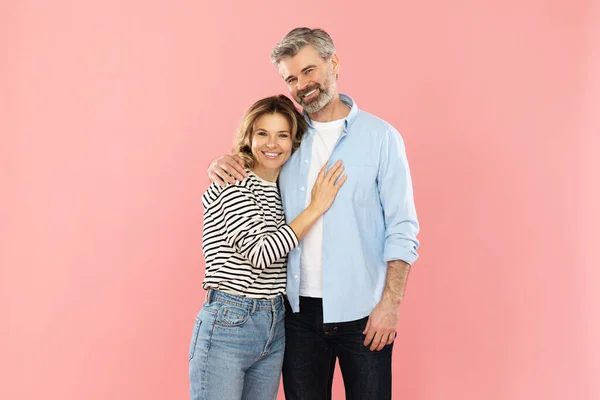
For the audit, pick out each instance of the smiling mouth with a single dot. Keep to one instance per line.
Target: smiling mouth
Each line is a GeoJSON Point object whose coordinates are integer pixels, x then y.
{"type": "Point", "coordinates": [270, 155]}
{"type": "Point", "coordinates": [307, 95]}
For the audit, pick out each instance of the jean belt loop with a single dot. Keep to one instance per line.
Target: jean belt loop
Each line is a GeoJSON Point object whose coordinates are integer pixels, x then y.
{"type": "Point", "coordinates": [253, 306]}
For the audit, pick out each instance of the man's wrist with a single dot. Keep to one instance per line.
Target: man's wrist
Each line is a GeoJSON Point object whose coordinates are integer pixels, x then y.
{"type": "Point", "coordinates": [388, 298]}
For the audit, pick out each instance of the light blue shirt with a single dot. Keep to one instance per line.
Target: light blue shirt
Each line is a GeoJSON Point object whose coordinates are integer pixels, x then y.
{"type": "Point", "coordinates": [372, 220]}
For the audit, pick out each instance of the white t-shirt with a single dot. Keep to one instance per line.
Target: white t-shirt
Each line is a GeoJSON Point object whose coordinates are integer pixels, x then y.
{"type": "Point", "coordinates": [311, 260]}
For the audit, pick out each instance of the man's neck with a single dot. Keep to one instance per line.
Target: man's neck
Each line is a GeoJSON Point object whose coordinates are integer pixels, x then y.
{"type": "Point", "coordinates": [336, 109]}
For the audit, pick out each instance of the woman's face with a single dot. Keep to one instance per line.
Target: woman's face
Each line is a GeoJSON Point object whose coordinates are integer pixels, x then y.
{"type": "Point", "coordinates": [271, 141]}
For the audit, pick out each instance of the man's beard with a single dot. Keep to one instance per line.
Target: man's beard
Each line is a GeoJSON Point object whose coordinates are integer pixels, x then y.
{"type": "Point", "coordinates": [325, 95]}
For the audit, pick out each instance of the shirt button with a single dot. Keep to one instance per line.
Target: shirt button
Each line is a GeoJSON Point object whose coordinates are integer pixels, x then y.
{"type": "Point", "coordinates": [302, 189]}
{"type": "Point", "coordinates": [295, 276]}
{"type": "Point", "coordinates": [305, 161]}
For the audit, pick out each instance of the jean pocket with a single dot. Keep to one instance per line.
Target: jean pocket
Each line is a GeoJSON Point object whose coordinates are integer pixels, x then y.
{"type": "Point", "coordinates": [212, 307]}
{"type": "Point", "coordinates": [231, 316]}
{"type": "Point", "coordinates": [195, 334]}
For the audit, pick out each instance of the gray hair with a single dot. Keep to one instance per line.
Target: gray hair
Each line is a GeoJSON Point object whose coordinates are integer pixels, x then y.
{"type": "Point", "coordinates": [299, 38]}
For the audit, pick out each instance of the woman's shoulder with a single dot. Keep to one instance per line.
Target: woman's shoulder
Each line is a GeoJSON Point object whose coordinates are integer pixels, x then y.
{"type": "Point", "coordinates": [215, 192]}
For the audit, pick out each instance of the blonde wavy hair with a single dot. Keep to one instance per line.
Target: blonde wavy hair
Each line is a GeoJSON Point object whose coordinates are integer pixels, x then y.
{"type": "Point", "coordinates": [279, 104]}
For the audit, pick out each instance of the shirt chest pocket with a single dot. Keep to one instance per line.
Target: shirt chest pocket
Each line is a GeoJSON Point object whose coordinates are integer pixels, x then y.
{"type": "Point", "coordinates": [361, 184]}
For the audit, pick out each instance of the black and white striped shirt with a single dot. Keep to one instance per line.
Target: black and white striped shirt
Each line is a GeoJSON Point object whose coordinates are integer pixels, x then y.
{"type": "Point", "coordinates": [245, 239]}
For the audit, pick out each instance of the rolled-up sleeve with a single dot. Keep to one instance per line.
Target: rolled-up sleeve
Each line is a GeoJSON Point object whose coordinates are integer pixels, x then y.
{"type": "Point", "coordinates": [396, 196]}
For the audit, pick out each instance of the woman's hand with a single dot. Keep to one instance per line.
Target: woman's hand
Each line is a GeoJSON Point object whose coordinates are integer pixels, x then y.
{"type": "Point", "coordinates": [326, 187]}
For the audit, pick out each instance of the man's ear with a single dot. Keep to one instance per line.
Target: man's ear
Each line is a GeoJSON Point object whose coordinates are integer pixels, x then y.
{"type": "Point", "coordinates": [335, 63]}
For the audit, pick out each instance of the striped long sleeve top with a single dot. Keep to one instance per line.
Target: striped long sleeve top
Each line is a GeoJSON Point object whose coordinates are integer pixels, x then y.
{"type": "Point", "coordinates": [245, 239]}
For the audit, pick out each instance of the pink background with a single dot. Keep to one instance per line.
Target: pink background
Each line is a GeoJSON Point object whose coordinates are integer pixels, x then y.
{"type": "Point", "coordinates": [110, 112]}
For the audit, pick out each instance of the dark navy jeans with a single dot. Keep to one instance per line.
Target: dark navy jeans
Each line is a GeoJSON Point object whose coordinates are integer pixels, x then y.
{"type": "Point", "coordinates": [313, 347]}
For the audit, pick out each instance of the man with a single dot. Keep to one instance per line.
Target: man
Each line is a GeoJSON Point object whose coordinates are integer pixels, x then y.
{"type": "Point", "coordinates": [346, 279]}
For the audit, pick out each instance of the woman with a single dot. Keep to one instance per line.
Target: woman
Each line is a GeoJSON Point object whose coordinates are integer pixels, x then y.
{"type": "Point", "coordinates": [238, 339]}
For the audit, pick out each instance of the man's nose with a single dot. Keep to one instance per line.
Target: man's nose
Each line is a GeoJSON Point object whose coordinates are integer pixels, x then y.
{"type": "Point", "coordinates": [302, 84]}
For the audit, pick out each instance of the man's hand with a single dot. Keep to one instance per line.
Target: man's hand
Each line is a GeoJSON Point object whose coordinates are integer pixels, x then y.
{"type": "Point", "coordinates": [382, 324]}
{"type": "Point", "coordinates": [226, 169]}
{"type": "Point", "coordinates": [383, 321]}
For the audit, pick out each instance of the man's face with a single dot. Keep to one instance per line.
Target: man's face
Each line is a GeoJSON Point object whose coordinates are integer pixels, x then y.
{"type": "Point", "coordinates": [310, 79]}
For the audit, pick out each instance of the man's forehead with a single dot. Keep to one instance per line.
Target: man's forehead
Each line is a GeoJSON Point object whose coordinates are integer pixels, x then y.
{"type": "Point", "coordinates": [293, 65]}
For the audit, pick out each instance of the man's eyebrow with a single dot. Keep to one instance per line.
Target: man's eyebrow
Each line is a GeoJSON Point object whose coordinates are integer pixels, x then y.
{"type": "Point", "coordinates": [287, 78]}
{"type": "Point", "coordinates": [309, 67]}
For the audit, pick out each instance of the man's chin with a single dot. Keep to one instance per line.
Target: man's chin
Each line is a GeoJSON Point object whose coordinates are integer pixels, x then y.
{"type": "Point", "coordinates": [305, 104]}
{"type": "Point", "coordinates": [311, 108]}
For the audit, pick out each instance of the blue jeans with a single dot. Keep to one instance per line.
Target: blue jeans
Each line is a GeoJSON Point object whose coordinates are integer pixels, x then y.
{"type": "Point", "coordinates": [313, 347]}
{"type": "Point", "coordinates": [237, 348]}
